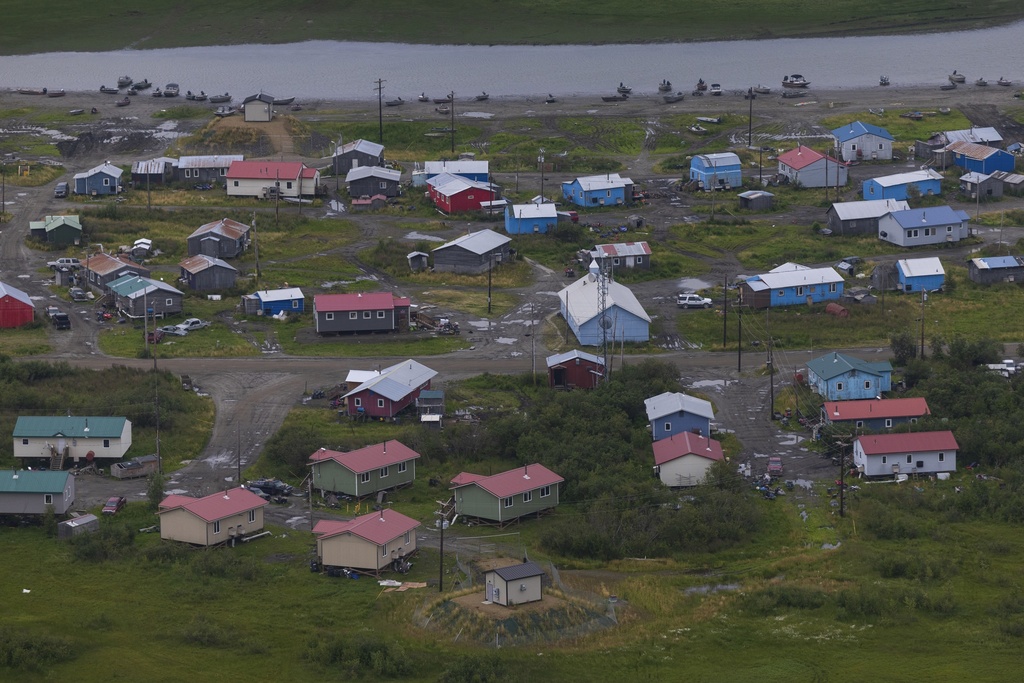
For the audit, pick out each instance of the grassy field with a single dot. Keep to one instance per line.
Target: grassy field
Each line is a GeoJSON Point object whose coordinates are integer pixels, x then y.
{"type": "Point", "coordinates": [152, 24]}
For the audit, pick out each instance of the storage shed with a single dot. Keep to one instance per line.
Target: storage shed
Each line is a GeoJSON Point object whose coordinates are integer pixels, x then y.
{"type": "Point", "coordinates": [756, 200]}
{"type": "Point", "coordinates": [917, 274]}
{"type": "Point", "coordinates": [16, 308]}
{"type": "Point", "coordinates": [82, 524]}
{"type": "Point", "coordinates": [514, 585]}
{"type": "Point", "coordinates": [928, 182]}
{"type": "Point", "coordinates": [992, 269]}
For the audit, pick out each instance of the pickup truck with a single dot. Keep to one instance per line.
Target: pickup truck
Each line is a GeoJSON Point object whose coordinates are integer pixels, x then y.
{"type": "Point", "coordinates": [58, 319]}
{"type": "Point", "coordinates": [775, 466]}
{"type": "Point", "coordinates": [78, 294]}
{"type": "Point", "coordinates": [190, 324]}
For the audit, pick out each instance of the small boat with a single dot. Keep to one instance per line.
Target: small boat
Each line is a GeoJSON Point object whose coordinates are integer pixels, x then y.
{"type": "Point", "coordinates": [877, 112]}
{"type": "Point", "coordinates": [699, 129]}
{"type": "Point", "coordinates": [482, 97]}
{"type": "Point", "coordinates": [793, 93]}
{"type": "Point", "coordinates": [157, 93]}
{"type": "Point", "coordinates": [943, 110]}
{"type": "Point", "coordinates": [948, 86]}
{"type": "Point", "coordinates": [981, 81]}
{"type": "Point", "coordinates": [913, 115]}
{"type": "Point", "coordinates": [124, 81]}
{"type": "Point", "coordinates": [624, 89]}
{"type": "Point", "coordinates": [1004, 81]}
{"type": "Point", "coordinates": [665, 86]}
{"type": "Point", "coordinates": [32, 91]}
{"type": "Point", "coordinates": [123, 102]}
{"type": "Point", "coordinates": [701, 85]}
{"type": "Point", "coordinates": [395, 103]}
{"type": "Point", "coordinates": [224, 110]}
{"type": "Point", "coordinates": [171, 90]}
{"type": "Point", "coordinates": [883, 80]}
{"type": "Point", "coordinates": [795, 81]}
{"type": "Point", "coordinates": [957, 78]}
{"type": "Point", "coordinates": [672, 99]}
{"type": "Point", "coordinates": [550, 99]}
{"type": "Point", "coordinates": [762, 90]}
{"type": "Point", "coordinates": [189, 95]}
{"type": "Point", "coordinates": [709, 119]}
{"type": "Point", "coordinates": [94, 111]}
{"type": "Point", "coordinates": [109, 91]}
{"type": "Point", "coordinates": [280, 102]}
{"type": "Point", "coordinates": [76, 112]}
{"type": "Point", "coordinates": [615, 98]}
{"type": "Point", "coordinates": [716, 89]}
{"type": "Point", "coordinates": [443, 100]}
{"type": "Point", "coordinates": [423, 97]}
{"type": "Point", "coordinates": [201, 97]}
{"type": "Point", "coordinates": [220, 99]}
{"type": "Point", "coordinates": [295, 107]}
{"type": "Point", "coordinates": [141, 85]}
{"type": "Point", "coordinates": [55, 93]}
{"type": "Point", "coordinates": [443, 109]}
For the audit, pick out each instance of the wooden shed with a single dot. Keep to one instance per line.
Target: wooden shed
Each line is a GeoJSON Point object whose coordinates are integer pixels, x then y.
{"type": "Point", "coordinates": [140, 467]}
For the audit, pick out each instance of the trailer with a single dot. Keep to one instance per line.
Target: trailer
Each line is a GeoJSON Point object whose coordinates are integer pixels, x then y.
{"type": "Point", "coordinates": [133, 469]}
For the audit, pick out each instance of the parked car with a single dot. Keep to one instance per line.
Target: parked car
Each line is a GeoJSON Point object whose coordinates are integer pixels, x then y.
{"type": "Point", "coordinates": [693, 301]}
{"type": "Point", "coordinates": [849, 264]}
{"type": "Point", "coordinates": [77, 294]}
{"type": "Point", "coordinates": [173, 329]}
{"type": "Point", "coordinates": [60, 320]}
{"type": "Point", "coordinates": [775, 466]}
{"type": "Point", "coordinates": [61, 190]}
{"type": "Point", "coordinates": [272, 487]}
{"type": "Point", "coordinates": [65, 262]}
{"type": "Point", "coordinates": [190, 324]}
{"type": "Point", "coordinates": [114, 505]}
{"type": "Point", "coordinates": [155, 336]}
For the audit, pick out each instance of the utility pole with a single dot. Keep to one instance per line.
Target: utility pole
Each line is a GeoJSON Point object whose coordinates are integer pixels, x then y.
{"type": "Point", "coordinates": [156, 392]}
{"type": "Point", "coordinates": [277, 199]}
{"type": "Point", "coordinates": [540, 160]}
{"type": "Point", "coordinates": [771, 361]}
{"type": "Point", "coordinates": [451, 96]}
{"type": "Point", "coordinates": [739, 340]}
{"type": "Point", "coordinates": [842, 478]}
{"type": "Point", "coordinates": [750, 117]}
{"type": "Point", "coordinates": [380, 108]}
{"type": "Point", "coordinates": [238, 452]}
{"type": "Point", "coordinates": [256, 247]}
{"type": "Point", "coordinates": [725, 311]}
{"type": "Point", "coordinates": [337, 151]}
{"type": "Point", "coordinates": [924, 297]}
{"type": "Point", "coordinates": [442, 522]}
{"type": "Point", "coordinates": [490, 269]}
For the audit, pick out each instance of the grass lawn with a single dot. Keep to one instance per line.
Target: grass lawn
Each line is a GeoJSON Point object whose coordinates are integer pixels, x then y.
{"type": "Point", "coordinates": [28, 340]}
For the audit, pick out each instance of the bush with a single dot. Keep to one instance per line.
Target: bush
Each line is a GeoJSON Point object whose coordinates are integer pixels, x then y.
{"type": "Point", "coordinates": [203, 632]}
{"type": "Point", "coordinates": [109, 543]}
{"type": "Point", "coordinates": [481, 669]}
{"type": "Point", "coordinates": [326, 650]}
{"type": "Point", "coordinates": [776, 598]}
{"type": "Point", "coordinates": [31, 652]}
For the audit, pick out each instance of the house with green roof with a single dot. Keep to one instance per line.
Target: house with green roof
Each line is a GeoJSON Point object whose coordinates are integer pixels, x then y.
{"type": "Point", "coordinates": [30, 492]}
{"type": "Point", "coordinates": [60, 230]}
{"type": "Point", "coordinates": [134, 295]}
{"type": "Point", "coordinates": [839, 377]}
{"type": "Point", "coordinates": [56, 440]}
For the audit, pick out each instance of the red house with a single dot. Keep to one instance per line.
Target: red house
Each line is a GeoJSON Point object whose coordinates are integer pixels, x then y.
{"type": "Point", "coordinates": [16, 308]}
{"type": "Point", "coordinates": [575, 370]}
{"type": "Point", "coordinates": [390, 392]}
{"type": "Point", "coordinates": [455, 194]}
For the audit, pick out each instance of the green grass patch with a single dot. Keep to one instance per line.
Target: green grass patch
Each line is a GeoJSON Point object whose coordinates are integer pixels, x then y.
{"type": "Point", "coordinates": [27, 340]}
{"type": "Point", "coordinates": [182, 112]}
{"type": "Point", "coordinates": [30, 175]}
{"type": "Point", "coordinates": [904, 130]}
{"type": "Point", "coordinates": [216, 341]}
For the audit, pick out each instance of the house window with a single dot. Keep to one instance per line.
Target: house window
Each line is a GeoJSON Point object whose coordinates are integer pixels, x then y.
{"type": "Point", "coordinates": [169, 302]}
{"type": "Point", "coordinates": [383, 185]}
{"type": "Point", "coordinates": [609, 193]}
{"type": "Point", "coordinates": [668, 426]}
{"type": "Point", "coordinates": [106, 443]}
{"type": "Point", "coordinates": [469, 196]}
{"type": "Point", "coordinates": [508, 502]}
{"type": "Point", "coordinates": [853, 146]}
{"type": "Point", "coordinates": [913, 233]}
{"type": "Point", "coordinates": [545, 491]}
{"type": "Point", "coordinates": [383, 472]}
{"type": "Point", "coordinates": [639, 259]}
{"type": "Point", "coordinates": [328, 316]}
{"type": "Point", "coordinates": [880, 146]}
{"type": "Point", "coordinates": [406, 539]}
{"type": "Point", "coordinates": [888, 422]}
{"type": "Point", "coordinates": [381, 314]}
{"type": "Point", "coordinates": [288, 184]}
{"type": "Point", "coordinates": [235, 182]}
{"type": "Point", "coordinates": [402, 467]}
{"type": "Point", "coordinates": [24, 442]}
{"type": "Point", "coordinates": [871, 190]}
{"type": "Point", "coordinates": [860, 423]}
{"type": "Point", "coordinates": [615, 261]}
{"type": "Point", "coordinates": [216, 527]}
{"type": "Point", "coordinates": [358, 401]}
{"type": "Point", "coordinates": [48, 499]}
{"type": "Point", "coordinates": [867, 384]}
{"type": "Point", "coordinates": [949, 228]}
{"type": "Point", "coordinates": [920, 464]}
{"type": "Point", "coordinates": [528, 496]}
{"type": "Point", "coordinates": [909, 458]}
{"type": "Point", "coordinates": [913, 420]}
{"type": "Point", "coordinates": [380, 403]}
{"type": "Point", "coordinates": [781, 293]}
{"type": "Point", "coordinates": [364, 478]}
{"type": "Point", "coordinates": [384, 550]}
{"type": "Point", "coordinates": [799, 291]}
{"type": "Point", "coordinates": [295, 303]}
{"type": "Point", "coordinates": [883, 459]}
{"type": "Point", "coordinates": [106, 182]}
{"type": "Point", "coordinates": [353, 315]}
{"type": "Point", "coordinates": [367, 314]}
{"type": "Point", "coordinates": [833, 288]}
{"type": "Point", "coordinates": [942, 457]}
{"type": "Point", "coordinates": [839, 386]}
{"type": "Point", "coordinates": [188, 173]}
{"type": "Point", "coordinates": [252, 516]}
{"type": "Point", "coordinates": [223, 172]}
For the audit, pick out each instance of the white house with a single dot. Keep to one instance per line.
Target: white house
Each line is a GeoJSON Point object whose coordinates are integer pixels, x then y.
{"type": "Point", "coordinates": [806, 167]}
{"type": "Point", "coordinates": [684, 459]}
{"type": "Point", "coordinates": [880, 455]}
{"type": "Point", "coordinates": [74, 438]}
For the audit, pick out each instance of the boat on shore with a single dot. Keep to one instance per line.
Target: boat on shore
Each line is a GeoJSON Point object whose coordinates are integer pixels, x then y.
{"type": "Point", "coordinates": [123, 102]}
{"type": "Point", "coordinates": [171, 90]}
{"type": "Point", "coordinates": [762, 90]}
{"type": "Point", "coordinates": [793, 93]}
{"type": "Point", "coordinates": [482, 97]}
{"type": "Point", "coordinates": [672, 99]}
{"type": "Point", "coordinates": [220, 99]}
{"type": "Point", "coordinates": [615, 98]}
{"type": "Point", "coordinates": [157, 93]}
{"type": "Point", "coordinates": [912, 115]}
{"type": "Point", "coordinates": [32, 91]}
{"type": "Point", "coordinates": [624, 89]}
{"type": "Point", "coordinates": [109, 91]}
{"type": "Point", "coordinates": [196, 97]}
{"type": "Point", "coordinates": [665, 86]}
{"type": "Point", "coordinates": [443, 100]}
{"type": "Point", "coordinates": [699, 129]}
{"type": "Point", "coordinates": [55, 93]}
{"type": "Point", "coordinates": [282, 101]}
{"type": "Point", "coordinates": [716, 89]}
{"type": "Point", "coordinates": [395, 102]}
{"type": "Point", "coordinates": [701, 85]}
{"type": "Point", "coordinates": [981, 82]}
{"type": "Point", "coordinates": [550, 99]}
{"type": "Point", "coordinates": [709, 119]}
{"type": "Point", "coordinates": [76, 112]}
{"type": "Point", "coordinates": [423, 97]}
{"type": "Point", "coordinates": [141, 85]}
{"type": "Point", "coordinates": [948, 86]}
{"type": "Point", "coordinates": [795, 81]}
{"type": "Point", "coordinates": [1004, 81]}
{"type": "Point", "coordinates": [224, 110]}
{"type": "Point", "coordinates": [943, 110]}
{"type": "Point", "coordinates": [443, 109]}
{"type": "Point", "coordinates": [124, 81]}
{"type": "Point", "coordinates": [883, 80]}
{"type": "Point", "coordinates": [957, 77]}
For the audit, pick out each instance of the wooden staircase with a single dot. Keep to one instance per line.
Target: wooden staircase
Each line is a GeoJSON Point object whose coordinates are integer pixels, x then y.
{"type": "Point", "coordinates": [57, 458]}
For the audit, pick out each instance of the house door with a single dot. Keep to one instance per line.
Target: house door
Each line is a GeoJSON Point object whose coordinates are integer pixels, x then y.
{"type": "Point", "coordinates": [558, 375]}
{"type": "Point", "coordinates": [490, 592]}
{"type": "Point", "coordinates": [61, 444]}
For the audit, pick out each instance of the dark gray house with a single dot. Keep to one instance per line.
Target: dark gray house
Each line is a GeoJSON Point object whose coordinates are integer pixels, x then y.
{"type": "Point", "coordinates": [472, 254]}
{"type": "Point", "coordinates": [206, 273]}
{"type": "Point", "coordinates": [220, 239]}
{"type": "Point", "coordinates": [861, 218]}
{"type": "Point", "coordinates": [152, 173]}
{"type": "Point", "coordinates": [133, 295]}
{"type": "Point", "coordinates": [357, 154]}
{"type": "Point", "coordinates": [209, 168]}
{"type": "Point", "coordinates": [30, 492]}
{"type": "Point", "coordinates": [373, 180]}
{"type": "Point", "coordinates": [360, 312]}
{"type": "Point", "coordinates": [102, 269]}
{"type": "Point", "coordinates": [993, 269]}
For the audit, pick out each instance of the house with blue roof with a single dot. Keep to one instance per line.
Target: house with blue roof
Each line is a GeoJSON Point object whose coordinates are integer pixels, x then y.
{"type": "Point", "coordinates": [607, 189]}
{"type": "Point", "coordinates": [990, 270]}
{"type": "Point", "coordinates": [858, 140]}
{"type": "Point", "coordinates": [49, 439]}
{"type": "Point", "coordinates": [529, 219]}
{"type": "Point", "coordinates": [983, 159]}
{"type": "Point", "coordinates": [917, 227]}
{"type": "Point", "coordinates": [927, 181]}
{"type": "Point", "coordinates": [920, 274]}
{"type": "Point", "coordinates": [720, 171]}
{"type": "Point", "coordinates": [100, 180]}
{"type": "Point", "coordinates": [791, 284]}
{"type": "Point", "coordinates": [675, 413]}
{"type": "Point", "coordinates": [839, 377]}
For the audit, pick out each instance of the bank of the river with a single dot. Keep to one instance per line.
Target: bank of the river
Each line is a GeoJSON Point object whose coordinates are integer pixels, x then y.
{"type": "Point", "coordinates": [154, 24]}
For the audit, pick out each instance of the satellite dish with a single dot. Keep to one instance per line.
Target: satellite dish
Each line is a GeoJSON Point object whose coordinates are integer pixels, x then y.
{"type": "Point", "coordinates": [605, 322]}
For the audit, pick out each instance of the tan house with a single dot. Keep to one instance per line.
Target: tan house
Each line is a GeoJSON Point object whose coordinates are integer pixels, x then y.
{"type": "Point", "coordinates": [684, 459]}
{"type": "Point", "coordinates": [370, 543]}
{"type": "Point", "coordinates": [211, 520]}
{"type": "Point", "coordinates": [515, 584]}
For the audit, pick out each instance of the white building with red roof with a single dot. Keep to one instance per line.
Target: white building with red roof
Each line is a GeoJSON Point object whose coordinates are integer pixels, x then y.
{"type": "Point", "coordinates": [370, 543]}
{"type": "Point", "coordinates": [360, 312]}
{"type": "Point", "coordinates": [684, 459]}
{"type": "Point", "coordinates": [213, 519]}
{"type": "Point", "coordinates": [365, 471]}
{"type": "Point", "coordinates": [806, 167]}
{"type": "Point", "coordinates": [262, 179]}
{"type": "Point", "coordinates": [880, 455]}
{"type": "Point", "coordinates": [508, 496]}
{"type": "Point", "coordinates": [622, 255]}
{"type": "Point", "coordinates": [874, 414]}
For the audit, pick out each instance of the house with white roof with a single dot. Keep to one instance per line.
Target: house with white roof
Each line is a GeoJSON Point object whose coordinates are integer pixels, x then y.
{"type": "Point", "coordinates": [479, 171]}
{"type": "Point", "coordinates": [356, 154]}
{"type": "Point", "coordinates": [473, 253]}
{"type": "Point", "coordinates": [859, 140]}
{"type": "Point", "coordinates": [920, 274]}
{"type": "Point", "coordinates": [674, 412]}
{"type": "Point", "coordinates": [527, 219]}
{"type": "Point", "coordinates": [608, 189]}
{"type": "Point", "coordinates": [806, 167]}
{"type": "Point", "coordinates": [622, 255]}
{"type": "Point", "coordinates": [392, 391]}
{"type": "Point", "coordinates": [791, 284]}
{"type": "Point", "coordinates": [621, 319]}
{"type": "Point", "coordinates": [917, 227]}
{"type": "Point", "coordinates": [99, 180]}
{"type": "Point", "coordinates": [274, 301]}
{"type": "Point", "coordinates": [978, 186]}
{"type": "Point", "coordinates": [927, 181]}
{"type": "Point", "coordinates": [206, 168]}
{"type": "Point", "coordinates": [457, 194]}
{"type": "Point", "coordinates": [861, 218]}
{"type": "Point", "coordinates": [719, 171]}
{"type": "Point", "coordinates": [373, 180]}
{"type": "Point", "coordinates": [575, 370]}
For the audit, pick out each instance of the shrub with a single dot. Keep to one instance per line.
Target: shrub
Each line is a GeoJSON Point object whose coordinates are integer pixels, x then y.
{"type": "Point", "coordinates": [30, 652]}
{"type": "Point", "coordinates": [201, 631]}
{"type": "Point", "coordinates": [781, 597]}
{"type": "Point", "coordinates": [480, 669]}
{"type": "Point", "coordinates": [109, 543]}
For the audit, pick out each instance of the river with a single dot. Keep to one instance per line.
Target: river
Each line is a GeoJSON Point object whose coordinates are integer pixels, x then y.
{"type": "Point", "coordinates": [348, 70]}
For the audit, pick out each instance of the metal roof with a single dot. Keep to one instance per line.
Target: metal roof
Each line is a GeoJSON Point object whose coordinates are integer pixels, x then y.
{"type": "Point", "coordinates": [532, 210]}
{"type": "Point", "coordinates": [516, 572]}
{"type": "Point", "coordinates": [152, 166]}
{"type": "Point", "coordinates": [91, 427]}
{"type": "Point", "coordinates": [979, 134]}
{"type": "Point", "coordinates": [480, 242]}
{"type": "Point", "coordinates": [225, 226]}
{"type": "Point", "coordinates": [932, 216]}
{"type": "Point", "coordinates": [369, 457]}
{"type": "Point", "coordinates": [510, 483]}
{"type": "Point", "coordinates": [560, 358]}
{"type": "Point", "coordinates": [581, 299]}
{"type": "Point", "coordinates": [287, 294]}
{"type": "Point", "coordinates": [992, 262]}
{"type": "Point", "coordinates": [835, 364]}
{"type": "Point", "coordinates": [200, 262]}
{"type": "Point", "coordinates": [135, 286]}
{"type": "Point", "coordinates": [209, 161]}
{"type": "Point", "coordinates": [606, 181]}
{"type": "Point", "coordinates": [857, 129]}
{"type": "Point", "coordinates": [920, 267]}
{"type": "Point", "coordinates": [799, 278]}
{"type": "Point", "coordinates": [973, 150]}
{"type": "Point", "coordinates": [379, 528]}
{"type": "Point", "coordinates": [686, 443]}
{"type": "Point", "coordinates": [909, 177]}
{"type": "Point", "coordinates": [358, 301]}
{"type": "Point", "coordinates": [869, 409]}
{"type": "Point", "coordinates": [215, 506]}
{"type": "Point", "coordinates": [801, 157]}
{"type": "Point", "coordinates": [718, 159]}
{"type": "Point", "coordinates": [106, 167]}
{"type": "Point", "coordinates": [32, 481]}
{"type": "Point", "coordinates": [361, 172]}
{"type": "Point", "coordinates": [872, 208]}
{"type": "Point", "coordinates": [621, 249]}
{"type": "Point", "coordinates": [365, 146]}
{"type": "Point", "coordinates": [104, 263]}
{"type": "Point", "coordinates": [1009, 178]}
{"type": "Point", "coordinates": [266, 170]}
{"type": "Point", "coordinates": [432, 168]}
{"type": "Point", "coordinates": [676, 402]}
{"type": "Point", "coordinates": [397, 381]}
{"type": "Point", "coordinates": [14, 293]}
{"type": "Point", "coordinates": [913, 442]}
{"type": "Point", "coordinates": [52, 222]}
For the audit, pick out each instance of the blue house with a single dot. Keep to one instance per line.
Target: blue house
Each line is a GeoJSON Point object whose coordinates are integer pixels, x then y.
{"type": "Point", "coordinates": [674, 413]}
{"type": "Point", "coordinates": [527, 219]}
{"type": "Point", "coordinates": [839, 377]}
{"type": "Point", "coordinates": [917, 274]}
{"type": "Point", "coordinates": [928, 182]}
{"type": "Point", "coordinates": [103, 179]}
{"type": "Point", "coordinates": [982, 159]}
{"type": "Point", "coordinates": [791, 284]}
{"type": "Point", "coordinates": [477, 171]}
{"type": "Point", "coordinates": [720, 171]}
{"type": "Point", "coordinates": [274, 301]}
{"type": "Point", "coordinates": [609, 189]}
{"type": "Point", "coordinates": [860, 140]}
{"type": "Point", "coordinates": [622, 319]}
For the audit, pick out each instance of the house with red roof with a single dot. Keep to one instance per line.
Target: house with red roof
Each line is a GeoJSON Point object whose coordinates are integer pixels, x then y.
{"type": "Point", "coordinates": [806, 167]}
{"type": "Point", "coordinates": [365, 471]}
{"type": "Point", "coordinates": [264, 179]}
{"type": "Point", "coordinates": [881, 455]}
{"type": "Point", "coordinates": [684, 459]}
{"type": "Point", "coordinates": [370, 543]}
{"type": "Point", "coordinates": [213, 519]}
{"type": "Point", "coordinates": [874, 414]}
{"type": "Point", "coordinates": [360, 312]}
{"type": "Point", "coordinates": [390, 392]}
{"type": "Point", "coordinates": [506, 497]}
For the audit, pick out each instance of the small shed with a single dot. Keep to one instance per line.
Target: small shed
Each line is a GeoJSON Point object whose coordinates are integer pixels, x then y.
{"type": "Point", "coordinates": [430, 402]}
{"type": "Point", "coordinates": [977, 186]}
{"type": "Point", "coordinates": [133, 469]}
{"type": "Point", "coordinates": [992, 269]}
{"type": "Point", "coordinates": [515, 584]}
{"type": "Point", "coordinates": [756, 200]}
{"type": "Point", "coordinates": [16, 307]}
{"type": "Point", "coordinates": [418, 261]}
{"type": "Point", "coordinates": [82, 524]}
{"type": "Point", "coordinates": [59, 230]}
{"type": "Point", "coordinates": [1013, 183]}
{"type": "Point", "coordinates": [917, 274]}
{"type": "Point", "coordinates": [258, 107]}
